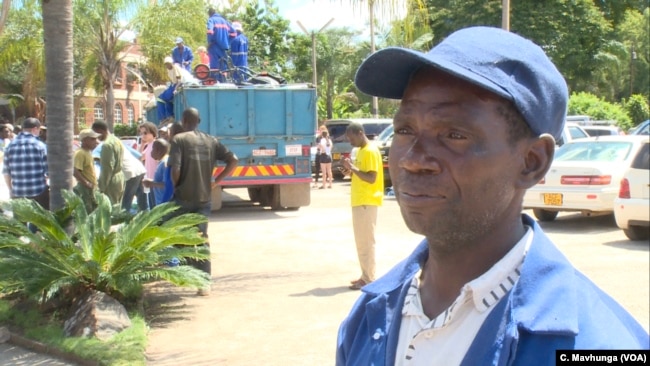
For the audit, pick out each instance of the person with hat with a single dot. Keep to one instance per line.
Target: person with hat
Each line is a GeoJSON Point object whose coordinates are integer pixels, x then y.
{"type": "Point", "coordinates": [25, 165]}
{"type": "Point", "coordinates": [84, 169]}
{"type": "Point", "coordinates": [476, 127]}
{"type": "Point", "coordinates": [239, 51]}
{"type": "Point", "coordinates": [182, 55]}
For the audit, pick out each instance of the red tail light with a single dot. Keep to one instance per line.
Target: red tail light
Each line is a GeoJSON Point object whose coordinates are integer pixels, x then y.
{"type": "Point", "coordinates": [306, 150]}
{"type": "Point", "coordinates": [586, 180]}
{"type": "Point", "coordinates": [624, 189]}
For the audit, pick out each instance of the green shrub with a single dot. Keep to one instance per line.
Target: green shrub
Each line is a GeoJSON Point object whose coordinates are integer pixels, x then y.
{"type": "Point", "coordinates": [125, 130]}
{"type": "Point", "coordinates": [74, 251]}
{"type": "Point", "coordinates": [598, 109]}
{"type": "Point", "coordinates": [637, 108]}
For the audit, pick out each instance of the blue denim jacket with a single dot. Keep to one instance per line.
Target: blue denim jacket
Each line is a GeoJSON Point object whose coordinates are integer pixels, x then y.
{"type": "Point", "coordinates": [552, 306]}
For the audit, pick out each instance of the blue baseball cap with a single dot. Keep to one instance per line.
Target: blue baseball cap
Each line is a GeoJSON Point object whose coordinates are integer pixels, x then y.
{"type": "Point", "coordinates": [499, 61]}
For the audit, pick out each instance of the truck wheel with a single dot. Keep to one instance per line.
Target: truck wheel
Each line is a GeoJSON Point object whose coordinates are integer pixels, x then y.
{"type": "Point", "coordinates": [255, 194]}
{"type": "Point", "coordinates": [544, 215]}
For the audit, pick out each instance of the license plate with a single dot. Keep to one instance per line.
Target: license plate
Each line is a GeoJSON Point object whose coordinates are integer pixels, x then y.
{"type": "Point", "coordinates": [336, 156]}
{"type": "Point", "coordinates": [553, 199]}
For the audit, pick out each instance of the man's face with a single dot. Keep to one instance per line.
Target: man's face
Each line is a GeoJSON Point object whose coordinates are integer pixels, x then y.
{"type": "Point", "coordinates": [4, 132]}
{"type": "Point", "coordinates": [168, 66]}
{"type": "Point", "coordinates": [356, 138]}
{"type": "Point", "coordinates": [451, 163]}
{"type": "Point", "coordinates": [102, 134]}
{"type": "Point", "coordinates": [89, 143]}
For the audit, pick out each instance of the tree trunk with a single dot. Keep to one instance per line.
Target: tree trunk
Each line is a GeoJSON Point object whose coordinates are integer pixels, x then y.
{"type": "Point", "coordinates": [57, 34]}
{"type": "Point", "coordinates": [4, 14]}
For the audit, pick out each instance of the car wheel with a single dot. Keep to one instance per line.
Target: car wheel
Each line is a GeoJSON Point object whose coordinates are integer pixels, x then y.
{"type": "Point", "coordinates": [637, 232]}
{"type": "Point", "coordinates": [544, 215]}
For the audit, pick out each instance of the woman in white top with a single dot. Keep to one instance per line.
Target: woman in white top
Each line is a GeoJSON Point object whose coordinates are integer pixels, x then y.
{"type": "Point", "coordinates": [325, 151]}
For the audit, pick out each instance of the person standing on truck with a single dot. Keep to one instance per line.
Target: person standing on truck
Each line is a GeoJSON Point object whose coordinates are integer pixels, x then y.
{"type": "Point", "coordinates": [239, 52]}
{"type": "Point", "coordinates": [203, 55]}
{"type": "Point", "coordinates": [182, 55]}
{"type": "Point", "coordinates": [192, 158]}
{"type": "Point", "coordinates": [219, 35]}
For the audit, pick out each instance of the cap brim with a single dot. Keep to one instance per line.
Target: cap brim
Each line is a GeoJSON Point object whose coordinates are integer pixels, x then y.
{"type": "Point", "coordinates": [387, 72]}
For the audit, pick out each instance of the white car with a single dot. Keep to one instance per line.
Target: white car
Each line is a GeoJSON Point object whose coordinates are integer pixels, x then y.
{"type": "Point", "coordinates": [584, 176]}
{"type": "Point", "coordinates": [632, 206]}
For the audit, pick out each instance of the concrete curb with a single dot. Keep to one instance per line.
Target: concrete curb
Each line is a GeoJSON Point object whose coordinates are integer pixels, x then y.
{"type": "Point", "coordinates": [8, 337]}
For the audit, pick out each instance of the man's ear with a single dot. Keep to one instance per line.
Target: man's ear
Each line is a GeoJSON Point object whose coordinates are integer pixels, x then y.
{"type": "Point", "coordinates": [538, 156]}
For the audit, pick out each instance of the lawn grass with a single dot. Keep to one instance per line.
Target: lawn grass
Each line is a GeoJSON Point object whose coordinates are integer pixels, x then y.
{"type": "Point", "coordinates": [125, 348]}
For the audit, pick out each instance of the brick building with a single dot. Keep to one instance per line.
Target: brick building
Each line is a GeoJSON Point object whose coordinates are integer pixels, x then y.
{"type": "Point", "coordinates": [92, 106]}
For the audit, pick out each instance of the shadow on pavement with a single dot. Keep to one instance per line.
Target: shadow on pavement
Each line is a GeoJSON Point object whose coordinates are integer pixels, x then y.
{"type": "Point", "coordinates": [322, 292]}
{"type": "Point", "coordinates": [579, 224]}
{"type": "Point", "coordinates": [165, 304]}
{"type": "Point", "coordinates": [638, 245]}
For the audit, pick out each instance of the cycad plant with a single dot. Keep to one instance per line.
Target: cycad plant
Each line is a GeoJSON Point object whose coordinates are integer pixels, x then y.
{"type": "Point", "coordinates": [73, 251]}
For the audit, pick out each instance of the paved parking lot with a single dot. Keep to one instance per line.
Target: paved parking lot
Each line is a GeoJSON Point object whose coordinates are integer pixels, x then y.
{"type": "Point", "coordinates": [280, 280]}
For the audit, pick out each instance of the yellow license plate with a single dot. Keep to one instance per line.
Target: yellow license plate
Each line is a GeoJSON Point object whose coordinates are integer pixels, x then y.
{"type": "Point", "coordinates": [336, 156]}
{"type": "Point", "coordinates": [553, 199]}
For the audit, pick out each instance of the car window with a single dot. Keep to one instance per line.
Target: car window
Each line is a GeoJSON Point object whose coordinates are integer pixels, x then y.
{"type": "Point", "coordinates": [577, 132]}
{"type": "Point", "coordinates": [386, 133]}
{"type": "Point", "coordinates": [337, 132]}
{"type": "Point", "coordinates": [645, 130]}
{"type": "Point", "coordinates": [373, 130]}
{"type": "Point", "coordinates": [642, 160]}
{"type": "Point", "coordinates": [603, 151]}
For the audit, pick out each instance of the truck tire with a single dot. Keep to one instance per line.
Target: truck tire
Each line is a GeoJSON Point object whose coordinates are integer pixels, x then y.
{"type": "Point", "coordinates": [544, 215]}
{"type": "Point", "coordinates": [255, 194]}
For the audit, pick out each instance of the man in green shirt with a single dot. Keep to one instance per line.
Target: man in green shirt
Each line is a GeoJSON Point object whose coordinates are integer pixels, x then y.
{"type": "Point", "coordinates": [111, 177]}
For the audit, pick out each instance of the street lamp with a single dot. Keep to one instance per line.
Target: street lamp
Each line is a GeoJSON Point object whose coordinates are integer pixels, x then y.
{"type": "Point", "coordinates": [313, 34]}
{"type": "Point", "coordinates": [505, 15]}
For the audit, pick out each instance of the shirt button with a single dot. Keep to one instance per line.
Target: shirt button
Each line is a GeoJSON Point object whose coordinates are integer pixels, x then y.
{"type": "Point", "coordinates": [376, 336]}
{"type": "Point", "coordinates": [428, 335]}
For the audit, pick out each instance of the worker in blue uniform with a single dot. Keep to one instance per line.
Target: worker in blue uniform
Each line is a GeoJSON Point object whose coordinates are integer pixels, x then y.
{"type": "Point", "coordinates": [219, 35]}
{"type": "Point", "coordinates": [239, 52]}
{"type": "Point", "coordinates": [182, 55]}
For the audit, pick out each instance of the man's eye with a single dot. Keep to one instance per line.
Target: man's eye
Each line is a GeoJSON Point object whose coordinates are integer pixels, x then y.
{"type": "Point", "coordinates": [456, 136]}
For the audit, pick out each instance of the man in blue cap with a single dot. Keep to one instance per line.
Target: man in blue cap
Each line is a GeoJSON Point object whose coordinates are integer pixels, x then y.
{"type": "Point", "coordinates": [475, 128]}
{"type": "Point", "coordinates": [182, 55]}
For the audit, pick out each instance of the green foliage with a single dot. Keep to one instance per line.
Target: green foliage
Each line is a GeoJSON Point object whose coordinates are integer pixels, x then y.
{"type": "Point", "coordinates": [159, 24]}
{"type": "Point", "coordinates": [268, 34]}
{"type": "Point", "coordinates": [637, 108]}
{"type": "Point", "coordinates": [95, 256]}
{"type": "Point", "coordinates": [126, 348]}
{"type": "Point", "coordinates": [598, 109]}
{"type": "Point", "coordinates": [125, 130]}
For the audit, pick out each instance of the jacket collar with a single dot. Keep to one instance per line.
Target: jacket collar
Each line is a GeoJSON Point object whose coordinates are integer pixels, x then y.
{"type": "Point", "coordinates": [546, 277]}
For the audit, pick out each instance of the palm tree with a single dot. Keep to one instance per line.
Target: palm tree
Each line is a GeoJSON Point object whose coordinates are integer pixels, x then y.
{"type": "Point", "coordinates": [100, 20]}
{"type": "Point", "coordinates": [4, 11]}
{"type": "Point", "coordinates": [57, 35]}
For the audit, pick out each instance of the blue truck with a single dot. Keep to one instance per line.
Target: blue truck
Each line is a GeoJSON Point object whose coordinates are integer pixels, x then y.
{"type": "Point", "coordinates": [271, 130]}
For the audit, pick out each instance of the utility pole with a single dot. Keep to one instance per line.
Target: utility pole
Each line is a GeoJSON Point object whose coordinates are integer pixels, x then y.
{"type": "Point", "coordinates": [314, 74]}
{"type": "Point", "coordinates": [371, 10]}
{"type": "Point", "coordinates": [312, 34]}
{"type": "Point", "coordinates": [505, 15]}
